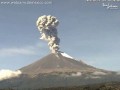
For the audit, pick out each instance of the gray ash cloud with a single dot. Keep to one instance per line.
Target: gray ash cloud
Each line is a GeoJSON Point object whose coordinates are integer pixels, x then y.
{"type": "Point", "coordinates": [47, 27]}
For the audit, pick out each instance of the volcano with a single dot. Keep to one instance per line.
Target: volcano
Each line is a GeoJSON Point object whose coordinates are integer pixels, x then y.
{"type": "Point", "coordinates": [58, 70]}
{"type": "Point", "coordinates": [60, 62]}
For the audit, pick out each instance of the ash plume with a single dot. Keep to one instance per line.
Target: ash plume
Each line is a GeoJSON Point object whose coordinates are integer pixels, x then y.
{"type": "Point", "coordinates": [47, 27]}
{"type": "Point", "coordinates": [7, 74]}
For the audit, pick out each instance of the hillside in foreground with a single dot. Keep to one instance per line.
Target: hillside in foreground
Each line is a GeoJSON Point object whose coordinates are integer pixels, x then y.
{"type": "Point", "coordinates": [104, 86]}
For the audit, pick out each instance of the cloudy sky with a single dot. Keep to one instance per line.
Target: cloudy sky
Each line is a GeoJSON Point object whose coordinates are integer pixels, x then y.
{"type": "Point", "coordinates": [88, 31]}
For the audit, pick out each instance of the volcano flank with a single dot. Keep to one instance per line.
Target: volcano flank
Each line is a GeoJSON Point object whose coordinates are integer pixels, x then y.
{"type": "Point", "coordinates": [56, 63]}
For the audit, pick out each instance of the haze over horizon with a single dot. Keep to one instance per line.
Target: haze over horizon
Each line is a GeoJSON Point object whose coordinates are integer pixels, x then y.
{"type": "Point", "coordinates": [88, 32]}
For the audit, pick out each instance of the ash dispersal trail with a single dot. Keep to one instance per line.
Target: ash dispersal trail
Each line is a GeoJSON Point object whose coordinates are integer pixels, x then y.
{"type": "Point", "coordinates": [47, 27]}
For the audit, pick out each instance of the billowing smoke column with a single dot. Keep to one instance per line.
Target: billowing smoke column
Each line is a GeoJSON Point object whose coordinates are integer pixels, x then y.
{"type": "Point", "coordinates": [47, 27]}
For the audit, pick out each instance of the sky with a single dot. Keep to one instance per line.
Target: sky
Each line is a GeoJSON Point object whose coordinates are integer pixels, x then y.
{"type": "Point", "coordinates": [88, 31]}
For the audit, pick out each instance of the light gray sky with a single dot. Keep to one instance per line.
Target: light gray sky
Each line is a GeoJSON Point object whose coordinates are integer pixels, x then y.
{"type": "Point", "coordinates": [88, 32]}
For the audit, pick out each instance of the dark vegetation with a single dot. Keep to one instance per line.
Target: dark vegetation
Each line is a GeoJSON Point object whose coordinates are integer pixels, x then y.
{"type": "Point", "coordinates": [106, 86]}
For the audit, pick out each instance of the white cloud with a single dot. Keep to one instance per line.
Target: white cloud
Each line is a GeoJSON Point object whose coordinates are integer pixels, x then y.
{"type": "Point", "coordinates": [93, 77]}
{"type": "Point", "coordinates": [7, 74]}
{"type": "Point", "coordinates": [16, 51]}
{"type": "Point", "coordinates": [99, 73]}
{"type": "Point", "coordinates": [27, 50]}
{"type": "Point", "coordinates": [76, 74]}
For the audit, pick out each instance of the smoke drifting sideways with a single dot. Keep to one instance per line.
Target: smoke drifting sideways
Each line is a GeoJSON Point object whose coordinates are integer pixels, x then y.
{"type": "Point", "coordinates": [8, 74]}
{"type": "Point", "coordinates": [47, 27]}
